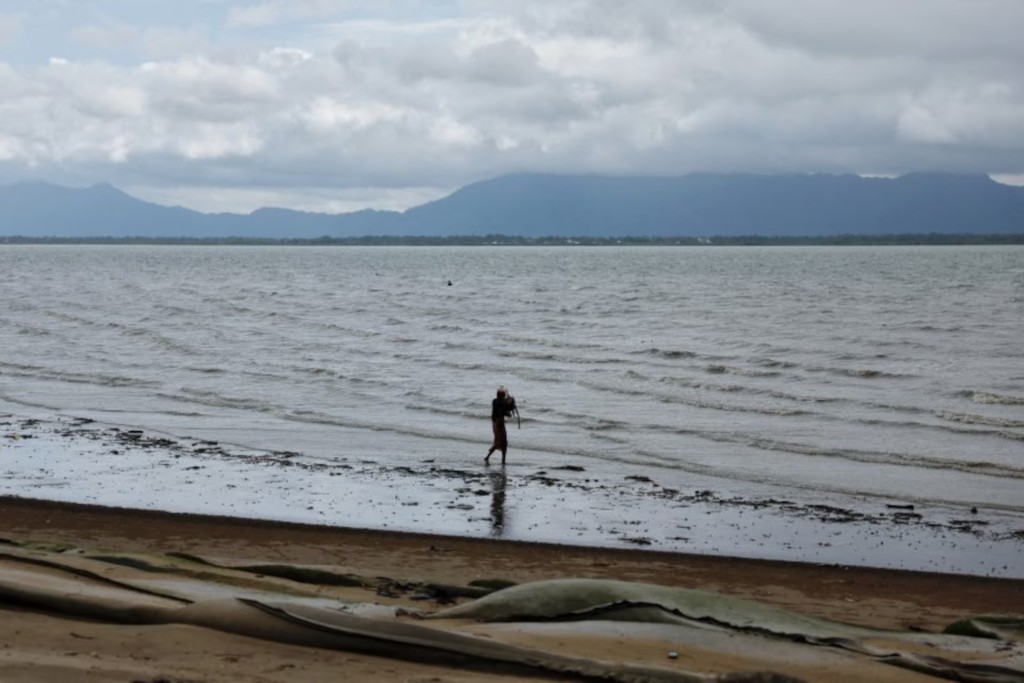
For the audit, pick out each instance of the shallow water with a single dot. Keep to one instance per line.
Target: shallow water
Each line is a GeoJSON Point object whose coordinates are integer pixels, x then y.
{"type": "Point", "coordinates": [852, 377]}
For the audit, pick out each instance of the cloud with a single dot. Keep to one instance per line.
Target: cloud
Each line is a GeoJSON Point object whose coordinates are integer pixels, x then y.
{"type": "Point", "coordinates": [939, 29]}
{"type": "Point", "coordinates": [200, 89]}
{"type": "Point", "coordinates": [283, 57]}
{"type": "Point", "coordinates": [260, 14]}
{"type": "Point", "coordinates": [273, 98]}
{"type": "Point", "coordinates": [507, 62]}
{"type": "Point", "coordinates": [107, 37]}
{"type": "Point", "coordinates": [9, 27]}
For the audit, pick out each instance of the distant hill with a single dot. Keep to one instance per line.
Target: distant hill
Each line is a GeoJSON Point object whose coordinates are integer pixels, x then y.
{"type": "Point", "coordinates": [726, 205]}
{"type": "Point", "coordinates": [535, 205]}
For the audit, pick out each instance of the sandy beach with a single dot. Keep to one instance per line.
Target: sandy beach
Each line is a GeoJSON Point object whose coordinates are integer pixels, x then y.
{"type": "Point", "coordinates": [45, 645]}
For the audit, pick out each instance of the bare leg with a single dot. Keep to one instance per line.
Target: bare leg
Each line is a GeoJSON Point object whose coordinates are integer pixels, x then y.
{"type": "Point", "coordinates": [500, 440]}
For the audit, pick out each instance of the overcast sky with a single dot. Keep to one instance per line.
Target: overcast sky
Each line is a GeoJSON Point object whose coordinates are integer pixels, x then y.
{"type": "Point", "coordinates": [337, 105]}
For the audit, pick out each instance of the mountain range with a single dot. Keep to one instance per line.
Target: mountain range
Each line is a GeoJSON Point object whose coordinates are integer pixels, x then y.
{"type": "Point", "coordinates": [539, 205]}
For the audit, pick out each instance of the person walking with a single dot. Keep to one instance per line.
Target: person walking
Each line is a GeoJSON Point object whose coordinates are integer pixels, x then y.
{"type": "Point", "coordinates": [502, 406]}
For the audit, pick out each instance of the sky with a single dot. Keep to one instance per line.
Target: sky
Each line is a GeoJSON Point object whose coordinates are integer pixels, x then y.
{"type": "Point", "coordinates": [340, 105]}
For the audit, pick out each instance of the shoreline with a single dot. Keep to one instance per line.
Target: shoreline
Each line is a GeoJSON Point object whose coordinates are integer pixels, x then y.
{"type": "Point", "coordinates": [75, 461]}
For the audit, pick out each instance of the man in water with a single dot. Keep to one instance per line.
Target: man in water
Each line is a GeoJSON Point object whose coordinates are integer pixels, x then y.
{"type": "Point", "coordinates": [501, 407]}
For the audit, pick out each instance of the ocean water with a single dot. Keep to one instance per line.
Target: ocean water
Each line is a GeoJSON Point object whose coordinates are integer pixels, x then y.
{"type": "Point", "coordinates": [856, 377]}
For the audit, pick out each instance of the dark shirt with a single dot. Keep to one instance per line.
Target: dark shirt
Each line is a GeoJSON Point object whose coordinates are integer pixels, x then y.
{"type": "Point", "coordinates": [500, 407]}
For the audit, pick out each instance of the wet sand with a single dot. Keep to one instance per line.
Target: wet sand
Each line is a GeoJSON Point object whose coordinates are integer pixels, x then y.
{"type": "Point", "coordinates": [78, 461]}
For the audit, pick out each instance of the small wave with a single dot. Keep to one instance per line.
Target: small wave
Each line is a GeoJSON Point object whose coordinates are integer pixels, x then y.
{"type": "Point", "coordinates": [669, 353]}
{"type": "Point", "coordinates": [39, 372]}
{"type": "Point", "coordinates": [469, 366]}
{"type": "Point", "coordinates": [677, 398]}
{"type": "Point", "coordinates": [170, 310]}
{"type": "Point", "coordinates": [263, 375]}
{"type": "Point", "coordinates": [772, 363]}
{"type": "Point", "coordinates": [103, 380]}
{"type": "Point", "coordinates": [590, 423]}
{"type": "Point", "coordinates": [988, 397]}
{"type": "Point", "coordinates": [316, 418]}
{"type": "Point", "coordinates": [534, 355]}
{"type": "Point", "coordinates": [862, 357]}
{"type": "Point", "coordinates": [756, 391]}
{"type": "Point", "coordinates": [215, 400]}
{"type": "Point", "coordinates": [782, 411]}
{"type": "Point", "coordinates": [888, 458]}
{"type": "Point", "coordinates": [207, 371]}
{"type": "Point", "coordinates": [674, 399]}
{"type": "Point", "coordinates": [556, 357]}
{"type": "Point", "coordinates": [862, 373]}
{"type": "Point", "coordinates": [161, 341]}
{"type": "Point", "coordinates": [309, 374]}
{"type": "Point", "coordinates": [21, 368]}
{"type": "Point", "coordinates": [981, 420]}
{"type": "Point", "coordinates": [557, 343]}
{"type": "Point", "coordinates": [458, 346]}
{"type": "Point", "coordinates": [349, 331]}
{"type": "Point", "coordinates": [719, 369]}
{"type": "Point", "coordinates": [69, 318]}
{"type": "Point", "coordinates": [604, 426]}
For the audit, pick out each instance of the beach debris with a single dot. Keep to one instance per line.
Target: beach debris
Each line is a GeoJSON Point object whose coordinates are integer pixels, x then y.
{"type": "Point", "coordinates": [599, 599]}
{"type": "Point", "coordinates": [278, 617]}
{"type": "Point", "coordinates": [904, 517]}
{"type": "Point", "coordinates": [984, 648]}
{"type": "Point", "coordinates": [637, 540]}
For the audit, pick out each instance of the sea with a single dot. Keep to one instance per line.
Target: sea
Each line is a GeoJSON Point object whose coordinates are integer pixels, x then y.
{"type": "Point", "coordinates": [679, 398]}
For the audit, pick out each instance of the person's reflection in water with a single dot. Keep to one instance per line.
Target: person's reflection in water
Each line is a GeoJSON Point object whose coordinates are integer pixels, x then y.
{"type": "Point", "coordinates": [498, 503]}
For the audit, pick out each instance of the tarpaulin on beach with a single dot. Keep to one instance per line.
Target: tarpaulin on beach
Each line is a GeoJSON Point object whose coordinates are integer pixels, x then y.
{"type": "Point", "coordinates": [547, 628]}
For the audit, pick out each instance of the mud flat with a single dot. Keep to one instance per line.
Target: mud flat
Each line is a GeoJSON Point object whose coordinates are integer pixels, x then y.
{"type": "Point", "coordinates": [69, 460]}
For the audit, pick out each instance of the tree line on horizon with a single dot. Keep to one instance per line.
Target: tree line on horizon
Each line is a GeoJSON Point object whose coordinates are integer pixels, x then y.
{"type": "Point", "coordinates": [905, 239]}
